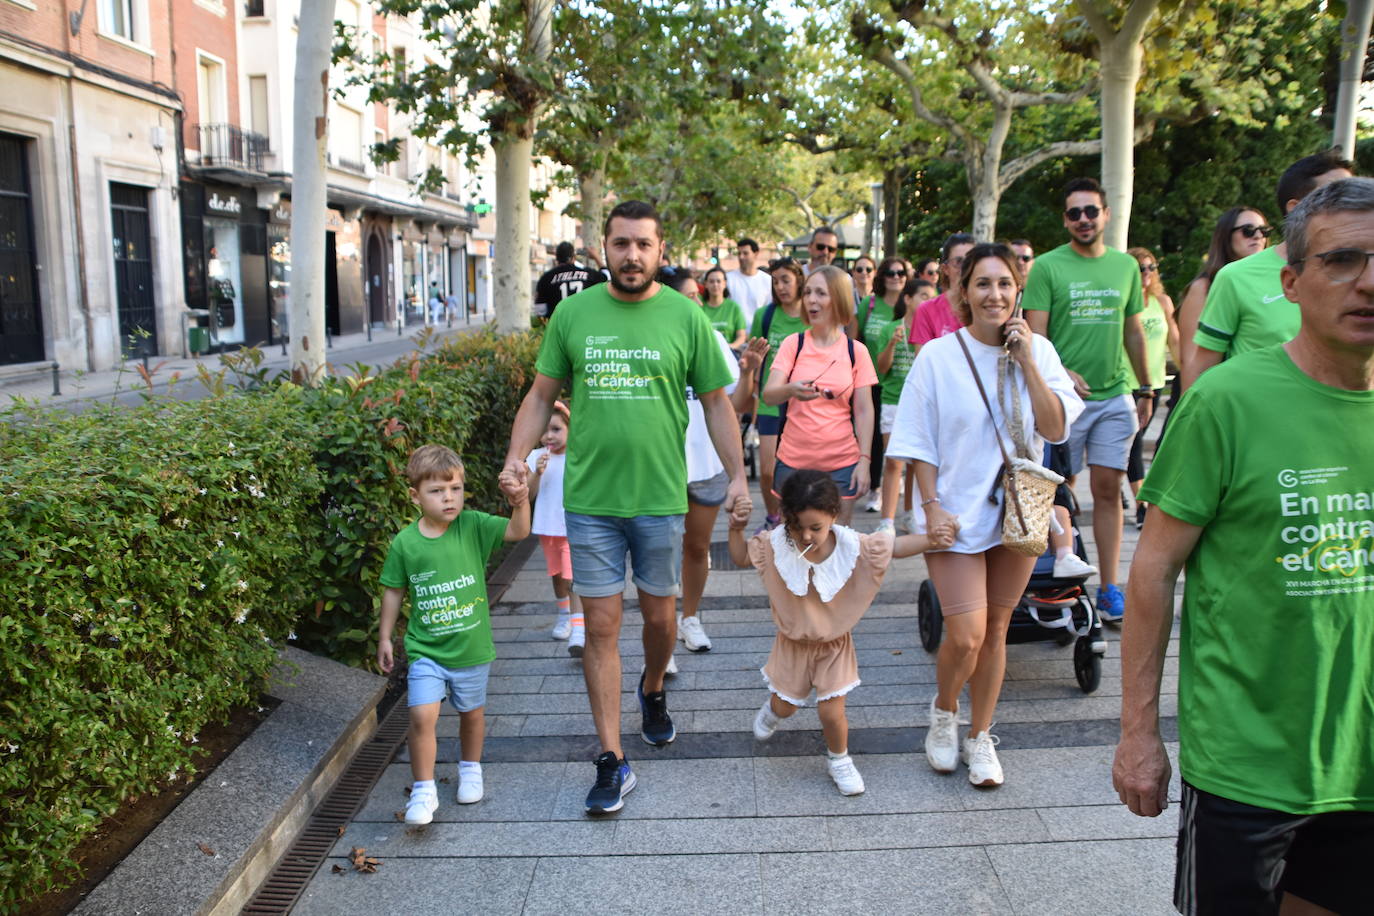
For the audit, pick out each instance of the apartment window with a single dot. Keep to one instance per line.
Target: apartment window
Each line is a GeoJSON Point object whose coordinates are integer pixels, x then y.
{"type": "Point", "coordinates": [346, 137]}
{"type": "Point", "coordinates": [117, 18]}
{"type": "Point", "coordinates": [211, 93]}
{"type": "Point", "coordinates": [257, 105]}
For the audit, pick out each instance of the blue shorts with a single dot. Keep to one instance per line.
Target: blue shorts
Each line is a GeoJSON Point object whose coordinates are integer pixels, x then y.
{"type": "Point", "coordinates": [766, 425]}
{"type": "Point", "coordinates": [599, 544]}
{"type": "Point", "coordinates": [429, 682]}
{"type": "Point", "coordinates": [1102, 434]}
{"type": "Point", "coordinates": [843, 478]}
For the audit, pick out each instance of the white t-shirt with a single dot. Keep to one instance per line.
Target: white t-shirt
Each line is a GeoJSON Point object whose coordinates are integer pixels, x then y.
{"type": "Point", "coordinates": [752, 293]}
{"type": "Point", "coordinates": [702, 461]}
{"type": "Point", "coordinates": [941, 420]}
{"type": "Point", "coordinates": [548, 506]}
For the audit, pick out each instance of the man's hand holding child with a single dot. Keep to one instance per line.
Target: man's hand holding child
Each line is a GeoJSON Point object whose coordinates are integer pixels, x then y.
{"type": "Point", "coordinates": [517, 492]}
{"type": "Point", "coordinates": [739, 516]}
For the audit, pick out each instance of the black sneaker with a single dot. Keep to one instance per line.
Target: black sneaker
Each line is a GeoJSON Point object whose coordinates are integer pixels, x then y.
{"type": "Point", "coordinates": [614, 780]}
{"type": "Point", "coordinates": [658, 725]}
{"type": "Point", "coordinates": [1139, 516]}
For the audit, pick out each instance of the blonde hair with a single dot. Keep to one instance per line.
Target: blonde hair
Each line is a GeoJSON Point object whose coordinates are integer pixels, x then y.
{"type": "Point", "coordinates": [1153, 286]}
{"type": "Point", "coordinates": [841, 291]}
{"type": "Point", "coordinates": [429, 462]}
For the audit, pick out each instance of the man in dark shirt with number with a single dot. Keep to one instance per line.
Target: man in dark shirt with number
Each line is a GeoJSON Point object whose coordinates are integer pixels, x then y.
{"type": "Point", "coordinates": [564, 279]}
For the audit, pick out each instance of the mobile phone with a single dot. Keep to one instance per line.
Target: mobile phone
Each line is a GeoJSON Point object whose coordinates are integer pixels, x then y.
{"type": "Point", "coordinates": [1015, 313]}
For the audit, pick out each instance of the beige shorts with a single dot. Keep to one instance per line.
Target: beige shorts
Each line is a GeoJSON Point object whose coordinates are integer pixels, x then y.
{"type": "Point", "coordinates": [795, 668]}
{"type": "Point", "coordinates": [976, 581]}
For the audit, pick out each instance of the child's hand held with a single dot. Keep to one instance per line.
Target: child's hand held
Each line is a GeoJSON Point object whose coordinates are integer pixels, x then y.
{"type": "Point", "coordinates": [385, 657]}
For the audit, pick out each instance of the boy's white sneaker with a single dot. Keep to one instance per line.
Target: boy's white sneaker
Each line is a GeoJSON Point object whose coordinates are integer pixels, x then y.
{"type": "Point", "coordinates": [421, 806]}
{"type": "Point", "coordinates": [1072, 566]}
{"type": "Point", "coordinates": [980, 753]}
{"type": "Point", "coordinates": [765, 722]}
{"type": "Point", "coordinates": [469, 785]}
{"type": "Point", "coordinates": [906, 521]}
{"type": "Point", "coordinates": [690, 631]}
{"type": "Point", "coordinates": [942, 739]}
{"type": "Point", "coordinates": [846, 775]}
{"type": "Point", "coordinates": [563, 628]}
{"type": "Point", "coordinates": [577, 641]}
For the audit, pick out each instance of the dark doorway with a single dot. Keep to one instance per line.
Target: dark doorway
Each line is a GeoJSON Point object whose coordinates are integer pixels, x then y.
{"type": "Point", "coordinates": [133, 270]}
{"type": "Point", "coordinates": [331, 284]}
{"type": "Point", "coordinates": [376, 280]}
{"type": "Point", "coordinates": [21, 319]}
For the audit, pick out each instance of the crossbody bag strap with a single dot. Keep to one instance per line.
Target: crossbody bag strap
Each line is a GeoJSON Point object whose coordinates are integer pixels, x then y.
{"type": "Point", "coordinates": [1006, 459]}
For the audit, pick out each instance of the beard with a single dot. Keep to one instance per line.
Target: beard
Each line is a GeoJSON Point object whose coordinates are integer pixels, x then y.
{"type": "Point", "coordinates": [619, 283]}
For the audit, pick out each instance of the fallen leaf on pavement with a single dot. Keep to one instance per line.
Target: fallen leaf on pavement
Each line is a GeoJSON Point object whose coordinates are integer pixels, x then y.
{"type": "Point", "coordinates": [337, 869]}
{"type": "Point", "coordinates": [205, 849]}
{"type": "Point", "coordinates": [896, 651]}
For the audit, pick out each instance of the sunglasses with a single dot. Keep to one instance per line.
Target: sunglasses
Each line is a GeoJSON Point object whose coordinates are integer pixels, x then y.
{"type": "Point", "coordinates": [819, 247]}
{"type": "Point", "coordinates": [862, 270]}
{"type": "Point", "coordinates": [956, 261]}
{"type": "Point", "coordinates": [894, 273]}
{"type": "Point", "coordinates": [1090, 211]}
{"type": "Point", "coordinates": [1148, 268]}
{"type": "Point", "coordinates": [1250, 230]}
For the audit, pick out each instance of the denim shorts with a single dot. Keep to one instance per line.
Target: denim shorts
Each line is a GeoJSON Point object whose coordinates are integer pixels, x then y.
{"type": "Point", "coordinates": [843, 477]}
{"type": "Point", "coordinates": [430, 682]}
{"type": "Point", "coordinates": [599, 544]}
{"type": "Point", "coordinates": [766, 425]}
{"type": "Point", "coordinates": [1102, 434]}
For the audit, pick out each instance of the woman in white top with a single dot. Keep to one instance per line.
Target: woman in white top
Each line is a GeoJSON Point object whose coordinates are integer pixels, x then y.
{"type": "Point", "coordinates": [942, 426]}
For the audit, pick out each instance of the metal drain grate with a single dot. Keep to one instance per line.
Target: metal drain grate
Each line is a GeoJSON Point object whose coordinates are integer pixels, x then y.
{"type": "Point", "coordinates": [283, 887]}
{"type": "Point", "coordinates": [720, 556]}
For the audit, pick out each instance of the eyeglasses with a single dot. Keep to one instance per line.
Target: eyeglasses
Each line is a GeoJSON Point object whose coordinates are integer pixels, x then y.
{"type": "Point", "coordinates": [819, 247]}
{"type": "Point", "coordinates": [861, 270]}
{"type": "Point", "coordinates": [957, 261]}
{"type": "Point", "coordinates": [1340, 265]}
{"type": "Point", "coordinates": [1148, 268]}
{"type": "Point", "coordinates": [1090, 211]}
{"type": "Point", "coordinates": [1250, 230]}
{"type": "Point", "coordinates": [890, 272]}
{"type": "Point", "coordinates": [1025, 258]}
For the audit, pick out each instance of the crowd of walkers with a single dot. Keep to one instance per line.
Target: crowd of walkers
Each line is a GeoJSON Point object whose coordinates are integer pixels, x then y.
{"type": "Point", "coordinates": [906, 387]}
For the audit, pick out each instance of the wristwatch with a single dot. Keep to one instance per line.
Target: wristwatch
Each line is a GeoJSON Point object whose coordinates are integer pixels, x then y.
{"type": "Point", "coordinates": [1144, 391]}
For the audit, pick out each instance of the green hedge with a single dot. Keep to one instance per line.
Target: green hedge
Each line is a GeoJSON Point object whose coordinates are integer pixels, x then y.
{"type": "Point", "coordinates": [152, 558]}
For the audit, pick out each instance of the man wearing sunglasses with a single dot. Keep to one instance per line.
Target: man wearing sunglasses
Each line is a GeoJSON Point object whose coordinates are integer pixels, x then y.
{"type": "Point", "coordinates": [1276, 652]}
{"type": "Point", "coordinates": [1086, 298]}
{"type": "Point", "coordinates": [824, 244]}
{"type": "Point", "coordinates": [1025, 256]}
{"type": "Point", "coordinates": [1245, 307]}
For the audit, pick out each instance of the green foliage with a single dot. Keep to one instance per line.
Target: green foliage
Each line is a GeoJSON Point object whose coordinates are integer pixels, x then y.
{"type": "Point", "coordinates": [147, 562]}
{"type": "Point", "coordinates": [152, 558]}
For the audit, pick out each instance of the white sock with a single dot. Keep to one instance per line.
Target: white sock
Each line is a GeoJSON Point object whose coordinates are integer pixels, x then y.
{"type": "Point", "coordinates": [469, 765]}
{"type": "Point", "coordinates": [770, 718]}
{"type": "Point", "coordinates": [423, 785]}
{"type": "Point", "coordinates": [1062, 552]}
{"type": "Point", "coordinates": [834, 756]}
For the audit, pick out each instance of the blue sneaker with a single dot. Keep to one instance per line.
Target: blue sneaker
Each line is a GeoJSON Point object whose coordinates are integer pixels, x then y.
{"type": "Point", "coordinates": [614, 780]}
{"type": "Point", "coordinates": [657, 728]}
{"type": "Point", "coordinates": [1111, 604]}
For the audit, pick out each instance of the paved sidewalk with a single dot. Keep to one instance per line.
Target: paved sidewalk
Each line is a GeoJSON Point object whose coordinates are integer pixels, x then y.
{"type": "Point", "coordinates": [179, 375]}
{"type": "Point", "coordinates": [722, 824]}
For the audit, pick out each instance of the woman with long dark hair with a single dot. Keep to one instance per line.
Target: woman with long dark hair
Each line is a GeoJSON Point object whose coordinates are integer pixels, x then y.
{"type": "Point", "coordinates": [1240, 232]}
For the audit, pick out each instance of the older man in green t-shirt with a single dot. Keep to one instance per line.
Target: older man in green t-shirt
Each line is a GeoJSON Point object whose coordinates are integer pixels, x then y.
{"type": "Point", "coordinates": [1085, 297]}
{"type": "Point", "coordinates": [629, 349]}
{"type": "Point", "coordinates": [1276, 652]}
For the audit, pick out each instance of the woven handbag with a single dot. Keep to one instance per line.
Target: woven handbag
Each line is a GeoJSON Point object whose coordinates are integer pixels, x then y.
{"type": "Point", "coordinates": [1028, 484]}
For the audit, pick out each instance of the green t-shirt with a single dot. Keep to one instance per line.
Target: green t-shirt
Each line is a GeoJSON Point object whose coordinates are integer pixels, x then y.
{"type": "Point", "coordinates": [446, 577]}
{"type": "Point", "coordinates": [903, 355]}
{"type": "Point", "coordinates": [1246, 308]}
{"type": "Point", "coordinates": [782, 327]}
{"type": "Point", "coordinates": [871, 324]}
{"type": "Point", "coordinates": [1088, 300]}
{"type": "Point", "coordinates": [629, 364]}
{"type": "Point", "coordinates": [1156, 329]}
{"type": "Point", "coordinates": [727, 318]}
{"type": "Point", "coordinates": [1276, 660]}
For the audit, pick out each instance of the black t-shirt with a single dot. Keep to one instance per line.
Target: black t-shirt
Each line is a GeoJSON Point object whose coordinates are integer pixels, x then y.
{"type": "Point", "coordinates": [562, 281]}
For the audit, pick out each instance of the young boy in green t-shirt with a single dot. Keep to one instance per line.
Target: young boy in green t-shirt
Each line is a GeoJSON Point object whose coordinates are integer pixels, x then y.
{"type": "Point", "coordinates": [441, 559]}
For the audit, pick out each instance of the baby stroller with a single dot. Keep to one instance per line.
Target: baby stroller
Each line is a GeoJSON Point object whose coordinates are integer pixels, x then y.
{"type": "Point", "coordinates": [1051, 608]}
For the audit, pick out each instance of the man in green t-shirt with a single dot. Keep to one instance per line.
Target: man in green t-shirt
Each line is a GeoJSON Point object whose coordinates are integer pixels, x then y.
{"type": "Point", "coordinates": [1276, 648]}
{"type": "Point", "coordinates": [628, 349]}
{"type": "Point", "coordinates": [1246, 308]}
{"type": "Point", "coordinates": [1085, 297]}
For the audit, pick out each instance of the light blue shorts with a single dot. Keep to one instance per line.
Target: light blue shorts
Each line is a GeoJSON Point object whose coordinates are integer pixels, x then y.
{"type": "Point", "coordinates": [1103, 434]}
{"type": "Point", "coordinates": [430, 682]}
{"type": "Point", "coordinates": [599, 544]}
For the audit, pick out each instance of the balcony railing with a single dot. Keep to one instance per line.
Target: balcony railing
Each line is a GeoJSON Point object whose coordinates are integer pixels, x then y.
{"type": "Point", "coordinates": [228, 145]}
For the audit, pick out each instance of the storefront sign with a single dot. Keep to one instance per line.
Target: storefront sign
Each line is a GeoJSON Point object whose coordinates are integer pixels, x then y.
{"type": "Point", "coordinates": [281, 213]}
{"type": "Point", "coordinates": [223, 203]}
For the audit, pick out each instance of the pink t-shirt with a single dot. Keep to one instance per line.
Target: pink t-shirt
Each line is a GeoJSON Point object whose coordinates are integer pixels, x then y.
{"type": "Point", "coordinates": [820, 432]}
{"type": "Point", "coordinates": [934, 318]}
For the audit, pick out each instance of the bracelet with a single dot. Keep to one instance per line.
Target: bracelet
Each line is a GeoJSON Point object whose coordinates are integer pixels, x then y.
{"type": "Point", "coordinates": [926, 502]}
{"type": "Point", "coordinates": [862, 455]}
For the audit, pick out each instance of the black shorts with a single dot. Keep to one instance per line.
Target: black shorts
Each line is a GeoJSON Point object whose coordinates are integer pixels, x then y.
{"type": "Point", "coordinates": [1237, 858]}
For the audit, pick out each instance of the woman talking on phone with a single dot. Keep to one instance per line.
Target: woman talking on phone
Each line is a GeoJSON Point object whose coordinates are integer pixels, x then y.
{"type": "Point", "coordinates": [943, 426]}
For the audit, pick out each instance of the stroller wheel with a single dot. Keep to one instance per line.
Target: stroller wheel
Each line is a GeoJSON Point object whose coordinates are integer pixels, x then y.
{"type": "Point", "coordinates": [1063, 637]}
{"type": "Point", "coordinates": [1087, 665]}
{"type": "Point", "coordinates": [928, 616]}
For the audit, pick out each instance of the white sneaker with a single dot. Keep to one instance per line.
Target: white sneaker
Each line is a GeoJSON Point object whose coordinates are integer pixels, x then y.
{"type": "Point", "coordinates": [577, 641]}
{"type": "Point", "coordinates": [1072, 566]}
{"type": "Point", "coordinates": [692, 635]}
{"type": "Point", "coordinates": [875, 502]}
{"type": "Point", "coordinates": [942, 739]}
{"type": "Point", "coordinates": [668, 672]}
{"type": "Point", "coordinates": [563, 628]}
{"type": "Point", "coordinates": [765, 722]}
{"type": "Point", "coordinates": [906, 521]}
{"type": "Point", "coordinates": [980, 753]}
{"type": "Point", "coordinates": [846, 776]}
{"type": "Point", "coordinates": [421, 806]}
{"type": "Point", "coordinates": [469, 785]}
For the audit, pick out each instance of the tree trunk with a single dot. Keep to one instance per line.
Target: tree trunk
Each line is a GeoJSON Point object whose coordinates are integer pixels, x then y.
{"type": "Point", "coordinates": [511, 289]}
{"type": "Point", "coordinates": [1354, 40]}
{"type": "Point", "coordinates": [1120, 64]}
{"type": "Point", "coordinates": [591, 188]}
{"type": "Point", "coordinates": [308, 193]}
{"type": "Point", "coordinates": [892, 203]}
{"type": "Point", "coordinates": [985, 189]}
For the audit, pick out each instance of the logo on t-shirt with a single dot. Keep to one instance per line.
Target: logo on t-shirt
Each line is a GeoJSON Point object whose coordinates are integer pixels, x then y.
{"type": "Point", "coordinates": [1327, 529]}
{"type": "Point", "coordinates": [619, 373]}
{"type": "Point", "coordinates": [1089, 306]}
